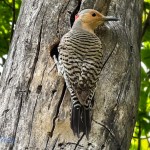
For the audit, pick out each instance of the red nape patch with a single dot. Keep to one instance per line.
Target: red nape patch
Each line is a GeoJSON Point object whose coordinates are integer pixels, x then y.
{"type": "Point", "coordinates": [76, 17]}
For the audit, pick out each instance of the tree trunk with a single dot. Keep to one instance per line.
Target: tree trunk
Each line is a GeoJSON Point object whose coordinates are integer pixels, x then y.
{"type": "Point", "coordinates": [35, 104]}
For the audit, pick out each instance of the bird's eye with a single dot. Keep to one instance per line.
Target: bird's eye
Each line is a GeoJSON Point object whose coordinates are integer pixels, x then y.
{"type": "Point", "coordinates": [94, 14]}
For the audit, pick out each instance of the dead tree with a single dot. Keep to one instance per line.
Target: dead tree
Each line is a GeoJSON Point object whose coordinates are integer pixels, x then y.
{"type": "Point", "coordinates": [35, 104]}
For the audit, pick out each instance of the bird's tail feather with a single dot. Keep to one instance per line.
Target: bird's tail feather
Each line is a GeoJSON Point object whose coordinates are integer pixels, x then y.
{"type": "Point", "coordinates": [76, 123]}
{"type": "Point", "coordinates": [87, 121]}
{"type": "Point", "coordinates": [81, 120]}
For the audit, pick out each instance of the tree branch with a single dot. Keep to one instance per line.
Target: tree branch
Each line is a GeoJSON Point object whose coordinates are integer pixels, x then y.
{"type": "Point", "coordinates": [13, 20]}
{"type": "Point", "coordinates": [139, 138]}
{"type": "Point", "coordinates": [147, 23]}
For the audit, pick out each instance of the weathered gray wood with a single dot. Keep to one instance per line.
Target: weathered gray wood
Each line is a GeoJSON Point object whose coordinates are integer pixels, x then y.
{"type": "Point", "coordinates": [35, 104]}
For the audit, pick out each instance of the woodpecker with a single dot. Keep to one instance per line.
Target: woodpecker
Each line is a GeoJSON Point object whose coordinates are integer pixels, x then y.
{"type": "Point", "coordinates": [80, 60]}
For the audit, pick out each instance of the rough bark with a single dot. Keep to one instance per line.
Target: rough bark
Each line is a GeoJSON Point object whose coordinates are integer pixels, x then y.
{"type": "Point", "coordinates": [35, 104]}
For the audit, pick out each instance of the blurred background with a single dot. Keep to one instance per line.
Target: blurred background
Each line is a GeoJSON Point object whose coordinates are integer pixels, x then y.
{"type": "Point", "coordinates": [9, 10]}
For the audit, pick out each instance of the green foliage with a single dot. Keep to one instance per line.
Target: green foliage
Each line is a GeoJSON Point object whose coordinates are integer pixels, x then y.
{"type": "Point", "coordinates": [8, 9]}
{"type": "Point", "coordinates": [141, 136]}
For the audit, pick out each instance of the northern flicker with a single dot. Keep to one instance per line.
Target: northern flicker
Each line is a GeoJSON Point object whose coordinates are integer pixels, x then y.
{"type": "Point", "coordinates": [80, 58]}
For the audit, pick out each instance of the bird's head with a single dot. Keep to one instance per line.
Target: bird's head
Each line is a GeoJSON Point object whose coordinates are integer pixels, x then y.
{"type": "Point", "coordinates": [92, 19]}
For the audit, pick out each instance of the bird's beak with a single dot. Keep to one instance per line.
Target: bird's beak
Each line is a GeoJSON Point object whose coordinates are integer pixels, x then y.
{"type": "Point", "coordinates": [110, 18]}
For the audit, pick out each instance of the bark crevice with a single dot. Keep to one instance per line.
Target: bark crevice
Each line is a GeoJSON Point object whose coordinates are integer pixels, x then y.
{"type": "Point", "coordinates": [74, 12]}
{"type": "Point", "coordinates": [113, 49]}
{"type": "Point", "coordinates": [78, 142]}
{"type": "Point", "coordinates": [57, 110]}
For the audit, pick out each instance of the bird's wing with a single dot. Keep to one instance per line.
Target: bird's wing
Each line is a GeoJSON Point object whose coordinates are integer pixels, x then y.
{"type": "Point", "coordinates": [90, 70]}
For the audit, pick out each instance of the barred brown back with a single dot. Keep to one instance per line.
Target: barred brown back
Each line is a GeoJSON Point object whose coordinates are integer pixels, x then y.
{"type": "Point", "coordinates": [80, 57]}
